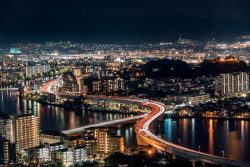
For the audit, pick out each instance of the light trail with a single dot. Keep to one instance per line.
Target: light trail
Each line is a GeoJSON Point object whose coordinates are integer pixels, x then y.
{"type": "Point", "coordinates": [143, 131]}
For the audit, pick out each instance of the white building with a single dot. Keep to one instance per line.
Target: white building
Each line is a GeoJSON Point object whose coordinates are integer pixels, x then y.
{"type": "Point", "coordinates": [37, 69]}
{"type": "Point", "coordinates": [7, 128]}
{"type": "Point", "coordinates": [232, 84]}
{"type": "Point", "coordinates": [72, 156]}
{"type": "Point", "coordinates": [191, 99]}
{"type": "Point", "coordinates": [80, 154]}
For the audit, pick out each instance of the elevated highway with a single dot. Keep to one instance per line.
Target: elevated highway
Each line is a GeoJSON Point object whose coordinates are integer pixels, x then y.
{"type": "Point", "coordinates": [146, 137]}
{"type": "Point", "coordinates": [102, 124]}
{"type": "Point", "coordinates": [142, 129]}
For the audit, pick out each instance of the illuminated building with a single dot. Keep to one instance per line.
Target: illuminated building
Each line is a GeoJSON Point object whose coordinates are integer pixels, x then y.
{"type": "Point", "coordinates": [77, 72]}
{"type": "Point", "coordinates": [45, 153]}
{"type": "Point", "coordinates": [107, 143]}
{"type": "Point", "coordinates": [15, 51]}
{"type": "Point", "coordinates": [74, 141]}
{"type": "Point", "coordinates": [7, 152]}
{"type": "Point", "coordinates": [4, 152]}
{"type": "Point", "coordinates": [90, 141]}
{"type": "Point", "coordinates": [66, 155]}
{"type": "Point", "coordinates": [232, 84]}
{"type": "Point", "coordinates": [109, 86]}
{"type": "Point", "coordinates": [37, 69]}
{"type": "Point", "coordinates": [7, 127]}
{"type": "Point", "coordinates": [188, 98]}
{"type": "Point", "coordinates": [80, 154]}
{"type": "Point", "coordinates": [27, 132]}
{"type": "Point", "coordinates": [70, 83]}
{"type": "Point", "coordinates": [51, 137]}
{"type": "Point", "coordinates": [40, 154]}
{"type": "Point", "coordinates": [103, 73]}
{"type": "Point", "coordinates": [96, 86]}
{"type": "Point", "coordinates": [71, 156]}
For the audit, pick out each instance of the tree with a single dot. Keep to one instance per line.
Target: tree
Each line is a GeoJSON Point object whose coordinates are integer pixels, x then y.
{"type": "Point", "coordinates": [59, 163]}
{"type": "Point", "coordinates": [165, 68]}
{"type": "Point", "coordinates": [87, 164]}
{"type": "Point", "coordinates": [114, 159]}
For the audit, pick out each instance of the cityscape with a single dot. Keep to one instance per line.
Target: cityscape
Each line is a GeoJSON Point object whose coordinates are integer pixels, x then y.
{"type": "Point", "coordinates": [76, 92]}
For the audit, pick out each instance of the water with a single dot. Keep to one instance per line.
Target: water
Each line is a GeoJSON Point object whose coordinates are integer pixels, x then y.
{"type": "Point", "coordinates": [55, 118]}
{"type": "Point", "coordinates": [213, 136]}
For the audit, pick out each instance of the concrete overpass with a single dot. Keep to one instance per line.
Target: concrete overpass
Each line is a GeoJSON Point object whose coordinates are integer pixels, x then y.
{"type": "Point", "coordinates": [103, 124]}
{"type": "Point", "coordinates": [146, 137]}
{"type": "Point", "coordinates": [8, 89]}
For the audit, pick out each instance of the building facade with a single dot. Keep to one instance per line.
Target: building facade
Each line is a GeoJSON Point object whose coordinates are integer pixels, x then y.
{"type": "Point", "coordinates": [37, 69]}
{"type": "Point", "coordinates": [27, 132]}
{"type": "Point", "coordinates": [232, 84]}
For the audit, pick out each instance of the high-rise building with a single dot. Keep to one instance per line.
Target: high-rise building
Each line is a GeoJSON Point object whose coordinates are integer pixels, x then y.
{"type": "Point", "coordinates": [40, 154]}
{"type": "Point", "coordinates": [80, 154]}
{"type": "Point", "coordinates": [7, 127]}
{"type": "Point", "coordinates": [7, 152]}
{"type": "Point", "coordinates": [37, 69]}
{"type": "Point", "coordinates": [109, 86]}
{"type": "Point", "coordinates": [107, 143]}
{"type": "Point", "coordinates": [232, 84]}
{"type": "Point", "coordinates": [71, 156]}
{"type": "Point", "coordinates": [70, 84]}
{"type": "Point", "coordinates": [4, 152]}
{"type": "Point", "coordinates": [27, 132]}
{"type": "Point", "coordinates": [90, 141]}
{"type": "Point", "coordinates": [77, 72]}
{"type": "Point", "coordinates": [67, 157]}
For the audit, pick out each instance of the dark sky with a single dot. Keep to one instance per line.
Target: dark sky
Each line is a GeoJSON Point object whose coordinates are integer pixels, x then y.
{"type": "Point", "coordinates": [26, 19]}
{"type": "Point", "coordinates": [226, 9]}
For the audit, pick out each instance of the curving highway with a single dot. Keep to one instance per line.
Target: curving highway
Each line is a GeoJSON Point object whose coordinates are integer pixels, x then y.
{"type": "Point", "coordinates": [142, 129]}
{"type": "Point", "coordinates": [143, 132]}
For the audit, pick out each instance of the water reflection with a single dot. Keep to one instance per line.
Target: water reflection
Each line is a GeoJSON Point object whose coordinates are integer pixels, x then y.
{"type": "Point", "coordinates": [212, 136]}
{"type": "Point", "coordinates": [53, 118]}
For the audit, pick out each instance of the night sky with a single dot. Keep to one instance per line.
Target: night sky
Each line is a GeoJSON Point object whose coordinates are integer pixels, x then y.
{"type": "Point", "coordinates": [122, 20]}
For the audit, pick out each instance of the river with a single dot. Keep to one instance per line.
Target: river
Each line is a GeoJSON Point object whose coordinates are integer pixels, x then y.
{"type": "Point", "coordinates": [209, 135]}
{"type": "Point", "coordinates": [55, 118]}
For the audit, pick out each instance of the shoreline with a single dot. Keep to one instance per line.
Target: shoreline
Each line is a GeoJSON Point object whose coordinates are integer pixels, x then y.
{"type": "Point", "coordinates": [81, 107]}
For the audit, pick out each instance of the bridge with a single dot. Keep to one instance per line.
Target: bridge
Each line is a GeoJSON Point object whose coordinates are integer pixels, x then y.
{"type": "Point", "coordinates": [102, 124]}
{"type": "Point", "coordinates": [147, 138]}
{"type": "Point", "coordinates": [6, 89]}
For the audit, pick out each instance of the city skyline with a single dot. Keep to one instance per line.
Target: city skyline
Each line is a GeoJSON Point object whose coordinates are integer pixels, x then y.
{"type": "Point", "coordinates": [127, 83]}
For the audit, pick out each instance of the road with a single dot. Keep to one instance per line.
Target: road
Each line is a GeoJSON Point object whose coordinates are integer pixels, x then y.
{"type": "Point", "coordinates": [102, 124]}
{"type": "Point", "coordinates": [142, 130]}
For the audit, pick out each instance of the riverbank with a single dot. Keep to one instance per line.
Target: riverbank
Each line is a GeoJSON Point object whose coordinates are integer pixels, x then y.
{"type": "Point", "coordinates": [78, 107]}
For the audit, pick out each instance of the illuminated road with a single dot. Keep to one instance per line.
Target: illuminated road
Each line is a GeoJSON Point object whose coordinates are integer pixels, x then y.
{"type": "Point", "coordinates": [6, 89]}
{"type": "Point", "coordinates": [102, 124]}
{"type": "Point", "coordinates": [142, 129]}
{"type": "Point", "coordinates": [143, 132]}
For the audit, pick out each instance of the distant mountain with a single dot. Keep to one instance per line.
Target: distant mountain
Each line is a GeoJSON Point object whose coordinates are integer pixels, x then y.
{"type": "Point", "coordinates": [118, 30]}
